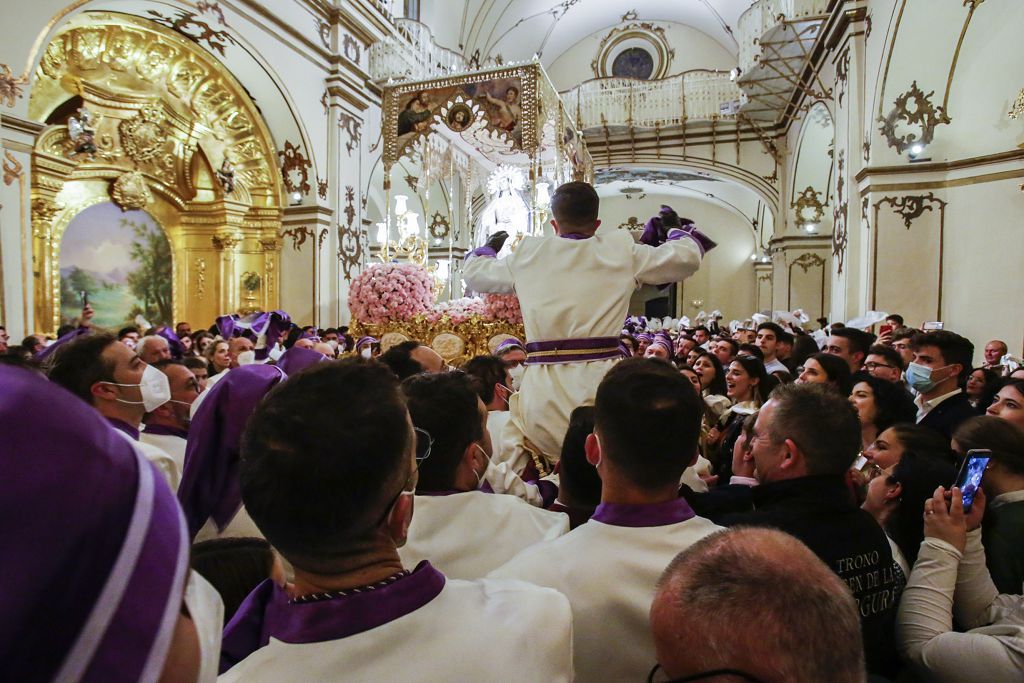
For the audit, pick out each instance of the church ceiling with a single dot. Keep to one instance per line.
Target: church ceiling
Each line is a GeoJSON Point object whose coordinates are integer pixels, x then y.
{"type": "Point", "coordinates": [518, 29]}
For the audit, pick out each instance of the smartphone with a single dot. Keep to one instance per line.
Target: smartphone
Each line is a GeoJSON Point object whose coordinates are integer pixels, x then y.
{"type": "Point", "coordinates": [971, 472]}
{"type": "Point", "coordinates": [85, 298]}
{"type": "Point", "coordinates": [931, 325]}
{"type": "Point", "coordinates": [885, 329]}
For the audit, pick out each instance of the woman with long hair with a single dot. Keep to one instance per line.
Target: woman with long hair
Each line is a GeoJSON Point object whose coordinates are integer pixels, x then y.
{"type": "Point", "coordinates": [712, 381]}
{"type": "Point", "coordinates": [825, 368]}
{"type": "Point", "coordinates": [880, 404]}
{"type": "Point", "coordinates": [747, 386]}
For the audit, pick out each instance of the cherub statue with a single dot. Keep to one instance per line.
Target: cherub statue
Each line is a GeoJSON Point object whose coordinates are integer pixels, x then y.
{"type": "Point", "coordinates": [82, 132]}
{"type": "Point", "coordinates": [226, 175]}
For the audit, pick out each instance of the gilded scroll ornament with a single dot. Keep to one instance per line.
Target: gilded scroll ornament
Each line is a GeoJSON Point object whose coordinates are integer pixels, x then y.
{"type": "Point", "coordinates": [226, 176]}
{"type": "Point", "coordinates": [350, 241]}
{"type": "Point", "coordinates": [842, 74]}
{"type": "Point", "coordinates": [10, 86]}
{"type": "Point", "coordinates": [439, 227]}
{"type": "Point", "coordinates": [631, 224]}
{"type": "Point", "coordinates": [350, 48]}
{"type": "Point", "coordinates": [298, 235]}
{"type": "Point", "coordinates": [212, 8]}
{"type": "Point", "coordinates": [912, 207]}
{"type": "Point", "coordinates": [130, 191]}
{"type": "Point", "coordinates": [808, 260]}
{"type": "Point", "coordinates": [225, 241]}
{"type": "Point", "coordinates": [915, 108]}
{"type": "Point", "coordinates": [809, 208]}
{"type": "Point", "coordinates": [189, 25]}
{"type": "Point", "coordinates": [12, 168]}
{"type": "Point", "coordinates": [352, 127]}
{"type": "Point", "coordinates": [200, 267]}
{"type": "Point", "coordinates": [292, 160]}
{"type": "Point", "coordinates": [143, 135]}
{"type": "Point", "coordinates": [1017, 110]}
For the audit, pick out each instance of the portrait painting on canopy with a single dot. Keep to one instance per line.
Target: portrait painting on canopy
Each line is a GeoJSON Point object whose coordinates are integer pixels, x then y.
{"type": "Point", "coordinates": [122, 261]}
{"type": "Point", "coordinates": [499, 99]}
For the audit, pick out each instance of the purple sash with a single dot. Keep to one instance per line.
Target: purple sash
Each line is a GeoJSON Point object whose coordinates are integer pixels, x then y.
{"type": "Point", "coordinates": [656, 514]}
{"type": "Point", "coordinates": [268, 613]}
{"type": "Point", "coordinates": [554, 351]}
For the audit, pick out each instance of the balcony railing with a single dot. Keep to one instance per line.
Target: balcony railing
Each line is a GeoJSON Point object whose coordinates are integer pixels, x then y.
{"type": "Point", "coordinates": [690, 96]}
{"type": "Point", "coordinates": [412, 55]}
{"type": "Point", "coordinates": [764, 15]}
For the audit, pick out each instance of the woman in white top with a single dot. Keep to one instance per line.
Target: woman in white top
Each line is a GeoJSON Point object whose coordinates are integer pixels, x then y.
{"type": "Point", "coordinates": [952, 560]}
{"type": "Point", "coordinates": [712, 381]}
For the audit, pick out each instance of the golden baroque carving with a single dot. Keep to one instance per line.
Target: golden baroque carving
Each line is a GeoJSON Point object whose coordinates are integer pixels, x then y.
{"type": "Point", "coordinates": [631, 224]}
{"type": "Point", "coordinates": [130, 191]}
{"type": "Point", "coordinates": [43, 213]}
{"type": "Point", "coordinates": [439, 227]}
{"type": "Point", "coordinates": [189, 25]}
{"type": "Point", "coordinates": [911, 207]}
{"type": "Point", "coordinates": [10, 86]}
{"type": "Point", "coordinates": [475, 334]}
{"type": "Point", "coordinates": [143, 135]}
{"type": "Point", "coordinates": [915, 108]}
{"type": "Point", "coordinates": [808, 200]}
{"type": "Point", "coordinates": [225, 241]}
{"type": "Point", "coordinates": [12, 168]}
{"type": "Point", "coordinates": [1017, 110]}
{"type": "Point", "coordinates": [291, 159]}
{"type": "Point", "coordinates": [449, 346]}
{"type": "Point", "coordinates": [200, 267]}
{"type": "Point", "coordinates": [299, 235]}
{"type": "Point", "coordinates": [807, 260]}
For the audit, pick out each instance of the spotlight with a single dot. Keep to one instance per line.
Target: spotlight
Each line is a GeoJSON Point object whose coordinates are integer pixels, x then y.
{"type": "Point", "coordinates": [296, 198]}
{"type": "Point", "coordinates": [811, 227]}
{"type": "Point", "coordinates": [753, 257]}
{"type": "Point", "coordinates": [915, 151]}
{"type": "Point", "coordinates": [765, 259]}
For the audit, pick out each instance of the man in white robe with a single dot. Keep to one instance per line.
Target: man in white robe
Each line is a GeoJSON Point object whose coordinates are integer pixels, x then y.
{"type": "Point", "coordinates": [463, 528]}
{"type": "Point", "coordinates": [646, 424]}
{"type": "Point", "coordinates": [574, 291]}
{"type": "Point", "coordinates": [167, 426]}
{"type": "Point", "coordinates": [114, 380]}
{"type": "Point", "coordinates": [333, 492]}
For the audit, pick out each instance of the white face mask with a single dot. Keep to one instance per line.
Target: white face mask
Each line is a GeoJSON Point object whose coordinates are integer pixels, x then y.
{"type": "Point", "coordinates": [333, 343]}
{"type": "Point", "coordinates": [247, 358]}
{"type": "Point", "coordinates": [366, 352]}
{"type": "Point", "coordinates": [154, 387]}
{"type": "Point", "coordinates": [487, 459]}
{"type": "Point", "coordinates": [517, 376]}
{"type": "Point", "coordinates": [207, 611]}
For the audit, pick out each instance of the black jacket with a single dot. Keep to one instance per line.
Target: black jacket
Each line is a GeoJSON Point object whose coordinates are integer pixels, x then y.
{"type": "Point", "coordinates": [820, 512]}
{"type": "Point", "coordinates": [948, 415]}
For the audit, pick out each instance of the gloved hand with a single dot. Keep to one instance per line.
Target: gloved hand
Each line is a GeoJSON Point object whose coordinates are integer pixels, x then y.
{"type": "Point", "coordinates": [497, 240]}
{"type": "Point", "coordinates": [654, 234]}
{"type": "Point", "coordinates": [705, 242]}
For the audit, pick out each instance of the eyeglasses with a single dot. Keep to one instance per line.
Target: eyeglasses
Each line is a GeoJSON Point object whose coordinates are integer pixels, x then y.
{"type": "Point", "coordinates": [424, 442]}
{"type": "Point", "coordinates": [874, 366]}
{"type": "Point", "coordinates": [702, 676]}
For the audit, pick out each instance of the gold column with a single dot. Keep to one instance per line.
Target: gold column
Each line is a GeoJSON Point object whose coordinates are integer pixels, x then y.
{"type": "Point", "coordinates": [271, 259]}
{"type": "Point", "coordinates": [227, 243]}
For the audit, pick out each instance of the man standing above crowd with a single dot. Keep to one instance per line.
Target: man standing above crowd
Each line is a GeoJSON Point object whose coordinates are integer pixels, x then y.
{"type": "Point", "coordinates": [574, 290]}
{"type": "Point", "coordinates": [646, 424]}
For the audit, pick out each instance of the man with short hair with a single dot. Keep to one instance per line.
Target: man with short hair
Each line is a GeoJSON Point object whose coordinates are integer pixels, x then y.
{"type": "Point", "coordinates": [768, 334]}
{"type": "Point", "coordinates": [153, 348]}
{"type": "Point", "coordinates": [894, 319]}
{"type": "Point", "coordinates": [129, 336]}
{"type": "Point", "coordinates": [333, 492]}
{"type": "Point", "coordinates": [994, 352]}
{"type": "Point", "coordinates": [114, 380]}
{"type": "Point", "coordinates": [199, 369]}
{"type": "Point", "coordinates": [494, 387]}
{"type": "Point", "coordinates": [884, 362]}
{"type": "Point", "coordinates": [942, 362]}
{"type": "Point", "coordinates": [412, 358]}
{"type": "Point", "coordinates": [183, 329]}
{"type": "Point", "coordinates": [849, 344]}
{"type": "Point", "coordinates": [238, 346]}
{"type": "Point", "coordinates": [701, 335]}
{"type": "Point", "coordinates": [726, 349]}
{"type": "Point", "coordinates": [646, 426]}
{"type": "Point", "coordinates": [805, 438]}
{"type": "Point", "coordinates": [901, 340]}
{"type": "Point", "coordinates": [574, 289]}
{"type": "Point", "coordinates": [712, 611]}
{"type": "Point", "coordinates": [784, 348]}
{"type": "Point", "coordinates": [461, 527]}
{"type": "Point", "coordinates": [32, 344]}
{"type": "Point", "coordinates": [167, 426]}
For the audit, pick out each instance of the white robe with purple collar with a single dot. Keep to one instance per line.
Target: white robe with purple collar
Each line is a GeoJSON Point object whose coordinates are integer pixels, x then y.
{"type": "Point", "coordinates": [572, 289]}
{"type": "Point", "coordinates": [609, 568]}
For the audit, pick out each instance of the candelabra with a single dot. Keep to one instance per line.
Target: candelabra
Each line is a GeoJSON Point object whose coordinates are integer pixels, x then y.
{"type": "Point", "coordinates": [410, 244]}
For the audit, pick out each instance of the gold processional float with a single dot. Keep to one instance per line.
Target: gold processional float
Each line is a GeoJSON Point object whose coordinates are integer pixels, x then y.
{"type": "Point", "coordinates": [494, 143]}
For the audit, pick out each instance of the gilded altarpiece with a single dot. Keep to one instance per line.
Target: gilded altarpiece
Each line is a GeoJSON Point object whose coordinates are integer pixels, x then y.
{"type": "Point", "coordinates": [172, 133]}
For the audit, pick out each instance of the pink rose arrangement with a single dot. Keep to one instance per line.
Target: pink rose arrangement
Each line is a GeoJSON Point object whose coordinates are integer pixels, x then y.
{"type": "Point", "coordinates": [503, 307]}
{"type": "Point", "coordinates": [458, 310]}
{"type": "Point", "coordinates": [391, 291]}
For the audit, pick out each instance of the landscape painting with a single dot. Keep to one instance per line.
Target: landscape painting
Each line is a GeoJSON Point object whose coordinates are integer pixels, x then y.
{"type": "Point", "coordinates": [122, 261]}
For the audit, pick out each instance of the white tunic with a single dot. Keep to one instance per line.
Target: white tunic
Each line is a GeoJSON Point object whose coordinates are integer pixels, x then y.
{"type": "Point", "coordinates": [572, 289]}
{"type": "Point", "coordinates": [609, 573]}
{"type": "Point", "coordinates": [466, 535]}
{"type": "Point", "coordinates": [240, 526]}
{"type": "Point", "coordinates": [166, 464]}
{"type": "Point", "coordinates": [472, 631]}
{"type": "Point", "coordinates": [170, 444]}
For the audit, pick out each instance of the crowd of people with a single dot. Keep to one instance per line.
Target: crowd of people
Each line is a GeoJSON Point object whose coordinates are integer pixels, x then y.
{"type": "Point", "coordinates": [262, 501]}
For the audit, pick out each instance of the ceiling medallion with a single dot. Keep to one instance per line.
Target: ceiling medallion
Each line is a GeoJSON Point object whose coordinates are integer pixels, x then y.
{"type": "Point", "coordinates": [142, 136]}
{"type": "Point", "coordinates": [130, 191]}
{"type": "Point", "coordinates": [637, 50]}
{"type": "Point", "coordinates": [922, 113]}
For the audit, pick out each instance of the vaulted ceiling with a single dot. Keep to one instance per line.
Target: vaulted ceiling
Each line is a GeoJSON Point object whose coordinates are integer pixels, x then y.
{"type": "Point", "coordinates": [518, 29]}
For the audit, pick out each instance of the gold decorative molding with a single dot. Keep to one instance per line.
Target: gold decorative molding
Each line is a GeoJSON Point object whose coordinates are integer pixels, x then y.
{"type": "Point", "coordinates": [1017, 109]}
{"type": "Point", "coordinates": [200, 286]}
{"type": "Point", "coordinates": [842, 74]}
{"type": "Point", "coordinates": [190, 26]}
{"type": "Point", "coordinates": [352, 129]}
{"type": "Point", "coordinates": [913, 107]}
{"type": "Point", "coordinates": [807, 260]}
{"type": "Point", "coordinates": [911, 207]}
{"type": "Point", "coordinates": [298, 235]}
{"type": "Point", "coordinates": [10, 86]}
{"type": "Point", "coordinates": [12, 168]}
{"type": "Point", "coordinates": [291, 159]}
{"type": "Point", "coordinates": [652, 34]}
{"type": "Point", "coordinates": [225, 241]}
{"type": "Point", "coordinates": [808, 200]}
{"type": "Point", "coordinates": [143, 136]}
{"type": "Point", "coordinates": [439, 227]}
{"type": "Point", "coordinates": [840, 214]}
{"type": "Point", "coordinates": [632, 223]}
{"type": "Point", "coordinates": [130, 191]}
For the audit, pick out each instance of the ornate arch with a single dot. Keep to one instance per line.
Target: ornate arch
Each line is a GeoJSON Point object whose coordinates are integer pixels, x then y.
{"type": "Point", "coordinates": [166, 117]}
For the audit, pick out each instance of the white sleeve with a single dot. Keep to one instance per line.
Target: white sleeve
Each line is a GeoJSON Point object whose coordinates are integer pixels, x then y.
{"type": "Point", "coordinates": [487, 274]}
{"type": "Point", "coordinates": [975, 592]}
{"type": "Point", "coordinates": [675, 260]}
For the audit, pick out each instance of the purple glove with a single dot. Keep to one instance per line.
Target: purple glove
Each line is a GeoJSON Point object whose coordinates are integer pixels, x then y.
{"type": "Point", "coordinates": [654, 234]}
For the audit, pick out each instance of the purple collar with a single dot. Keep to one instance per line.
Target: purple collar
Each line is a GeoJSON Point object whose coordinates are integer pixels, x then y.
{"type": "Point", "coordinates": [123, 426]}
{"type": "Point", "coordinates": [164, 430]}
{"type": "Point", "coordinates": [655, 514]}
{"type": "Point", "coordinates": [267, 613]}
{"type": "Point", "coordinates": [574, 236]}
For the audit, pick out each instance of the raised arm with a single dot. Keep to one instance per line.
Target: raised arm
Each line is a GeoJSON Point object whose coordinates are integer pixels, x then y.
{"type": "Point", "coordinates": [677, 259]}
{"type": "Point", "coordinates": [485, 272]}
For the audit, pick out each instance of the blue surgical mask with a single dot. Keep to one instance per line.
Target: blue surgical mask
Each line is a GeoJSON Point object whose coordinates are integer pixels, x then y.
{"type": "Point", "coordinates": [920, 377]}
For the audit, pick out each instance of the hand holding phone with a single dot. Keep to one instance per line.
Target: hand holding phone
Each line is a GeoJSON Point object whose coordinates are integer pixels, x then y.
{"type": "Point", "coordinates": [972, 471]}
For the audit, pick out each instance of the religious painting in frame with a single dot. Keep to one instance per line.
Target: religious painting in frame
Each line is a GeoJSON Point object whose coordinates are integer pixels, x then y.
{"type": "Point", "coordinates": [120, 260]}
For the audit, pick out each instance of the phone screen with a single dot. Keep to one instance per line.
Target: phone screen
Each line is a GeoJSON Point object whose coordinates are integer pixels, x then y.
{"type": "Point", "coordinates": [884, 330]}
{"type": "Point", "coordinates": [971, 473]}
{"type": "Point", "coordinates": [931, 325]}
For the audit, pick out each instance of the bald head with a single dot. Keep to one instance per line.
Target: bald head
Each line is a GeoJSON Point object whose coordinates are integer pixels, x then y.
{"type": "Point", "coordinates": [760, 601]}
{"type": "Point", "coordinates": [153, 349]}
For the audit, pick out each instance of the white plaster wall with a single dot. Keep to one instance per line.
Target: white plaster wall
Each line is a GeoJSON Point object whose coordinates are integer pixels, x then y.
{"type": "Point", "coordinates": [726, 278]}
{"type": "Point", "coordinates": [694, 50]}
